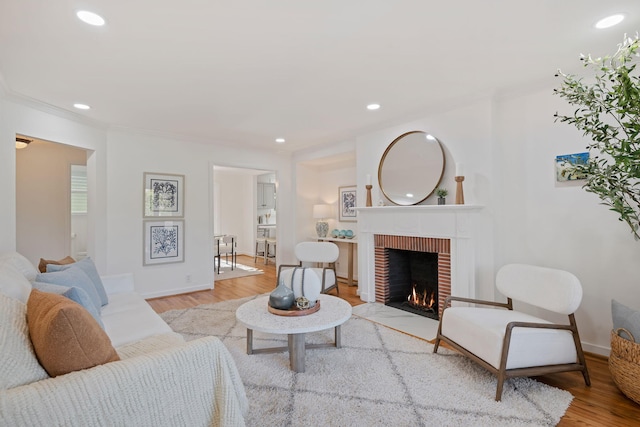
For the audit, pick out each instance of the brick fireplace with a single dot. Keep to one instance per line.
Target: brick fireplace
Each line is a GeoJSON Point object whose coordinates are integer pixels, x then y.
{"type": "Point", "coordinates": [450, 231]}
{"type": "Point", "coordinates": [383, 243]}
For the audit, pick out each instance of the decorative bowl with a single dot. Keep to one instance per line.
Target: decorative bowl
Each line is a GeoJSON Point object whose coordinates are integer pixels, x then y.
{"type": "Point", "coordinates": [343, 233]}
{"type": "Point", "coordinates": [335, 232]}
{"type": "Point", "coordinates": [348, 234]}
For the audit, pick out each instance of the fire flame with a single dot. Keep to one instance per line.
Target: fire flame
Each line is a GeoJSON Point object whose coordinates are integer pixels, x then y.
{"type": "Point", "coordinates": [424, 300]}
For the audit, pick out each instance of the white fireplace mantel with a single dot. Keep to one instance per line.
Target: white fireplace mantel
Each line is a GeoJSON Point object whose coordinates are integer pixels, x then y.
{"type": "Point", "coordinates": [455, 222]}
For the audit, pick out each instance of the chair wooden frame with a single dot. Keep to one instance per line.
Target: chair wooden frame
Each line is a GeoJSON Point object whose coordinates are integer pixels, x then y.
{"type": "Point", "coordinates": [324, 275]}
{"type": "Point", "coordinates": [503, 373]}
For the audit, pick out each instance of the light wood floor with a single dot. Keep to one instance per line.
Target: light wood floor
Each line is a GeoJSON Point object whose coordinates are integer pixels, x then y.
{"type": "Point", "coordinates": [602, 404]}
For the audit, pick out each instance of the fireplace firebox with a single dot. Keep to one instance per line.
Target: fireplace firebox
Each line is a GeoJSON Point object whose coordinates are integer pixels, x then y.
{"type": "Point", "coordinates": [424, 253]}
{"type": "Point", "coordinates": [413, 282]}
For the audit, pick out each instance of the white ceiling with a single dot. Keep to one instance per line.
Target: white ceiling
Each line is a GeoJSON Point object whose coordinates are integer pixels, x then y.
{"type": "Point", "coordinates": [248, 71]}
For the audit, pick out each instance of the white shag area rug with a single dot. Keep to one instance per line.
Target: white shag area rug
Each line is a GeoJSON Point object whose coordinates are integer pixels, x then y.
{"type": "Point", "coordinates": [380, 377]}
{"type": "Point", "coordinates": [239, 270]}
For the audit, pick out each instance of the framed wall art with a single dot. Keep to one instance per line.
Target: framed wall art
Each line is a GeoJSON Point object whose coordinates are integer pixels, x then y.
{"type": "Point", "coordinates": [163, 242]}
{"type": "Point", "coordinates": [565, 166]}
{"type": "Point", "coordinates": [163, 195]}
{"type": "Point", "coordinates": [347, 202]}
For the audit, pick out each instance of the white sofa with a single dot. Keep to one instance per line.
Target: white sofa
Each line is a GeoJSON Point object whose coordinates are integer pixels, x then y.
{"type": "Point", "coordinates": [160, 379]}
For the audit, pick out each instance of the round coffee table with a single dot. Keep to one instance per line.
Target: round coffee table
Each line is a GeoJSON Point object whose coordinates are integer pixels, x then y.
{"type": "Point", "coordinates": [256, 317]}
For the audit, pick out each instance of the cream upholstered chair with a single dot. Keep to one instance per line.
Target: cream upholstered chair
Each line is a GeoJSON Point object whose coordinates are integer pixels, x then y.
{"type": "Point", "coordinates": [511, 343]}
{"type": "Point", "coordinates": [311, 254]}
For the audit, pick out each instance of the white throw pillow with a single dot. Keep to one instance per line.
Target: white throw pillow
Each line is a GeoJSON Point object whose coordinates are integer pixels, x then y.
{"type": "Point", "coordinates": [13, 283]}
{"type": "Point", "coordinates": [18, 362]}
{"type": "Point", "coordinates": [21, 263]}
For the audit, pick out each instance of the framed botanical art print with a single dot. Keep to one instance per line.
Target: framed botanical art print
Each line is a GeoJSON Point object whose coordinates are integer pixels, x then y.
{"type": "Point", "coordinates": [163, 242]}
{"type": "Point", "coordinates": [163, 195]}
{"type": "Point", "coordinates": [347, 203]}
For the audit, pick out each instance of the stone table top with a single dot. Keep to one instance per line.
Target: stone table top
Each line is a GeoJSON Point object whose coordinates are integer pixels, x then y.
{"type": "Point", "coordinates": [254, 315]}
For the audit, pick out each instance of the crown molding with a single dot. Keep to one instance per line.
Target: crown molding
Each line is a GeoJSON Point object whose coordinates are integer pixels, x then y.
{"type": "Point", "coordinates": [18, 98]}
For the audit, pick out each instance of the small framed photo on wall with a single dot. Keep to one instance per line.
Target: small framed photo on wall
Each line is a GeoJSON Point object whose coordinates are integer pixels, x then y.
{"type": "Point", "coordinates": [163, 242]}
{"type": "Point", "coordinates": [566, 166]}
{"type": "Point", "coordinates": [163, 195]}
{"type": "Point", "coordinates": [347, 202]}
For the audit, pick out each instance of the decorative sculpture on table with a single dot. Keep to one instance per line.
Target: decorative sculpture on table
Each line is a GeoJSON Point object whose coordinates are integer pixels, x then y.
{"type": "Point", "coordinates": [282, 297]}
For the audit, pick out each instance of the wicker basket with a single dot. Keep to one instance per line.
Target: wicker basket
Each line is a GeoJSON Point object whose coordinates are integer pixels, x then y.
{"type": "Point", "coordinates": [624, 364]}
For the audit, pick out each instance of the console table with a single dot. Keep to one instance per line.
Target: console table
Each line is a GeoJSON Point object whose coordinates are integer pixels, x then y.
{"type": "Point", "coordinates": [350, 245]}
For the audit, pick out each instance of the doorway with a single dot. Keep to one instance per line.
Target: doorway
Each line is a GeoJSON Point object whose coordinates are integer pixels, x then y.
{"type": "Point", "coordinates": [44, 200]}
{"type": "Point", "coordinates": [239, 204]}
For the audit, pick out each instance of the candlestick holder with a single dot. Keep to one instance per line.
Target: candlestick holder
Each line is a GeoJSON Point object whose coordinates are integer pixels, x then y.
{"type": "Point", "coordinates": [459, 191]}
{"type": "Point", "coordinates": [368, 187]}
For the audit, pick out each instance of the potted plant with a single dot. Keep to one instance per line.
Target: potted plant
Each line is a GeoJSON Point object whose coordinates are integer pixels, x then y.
{"type": "Point", "coordinates": [442, 193]}
{"type": "Point", "coordinates": [607, 110]}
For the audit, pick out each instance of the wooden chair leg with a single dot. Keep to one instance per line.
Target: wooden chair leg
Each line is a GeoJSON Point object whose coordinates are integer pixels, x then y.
{"type": "Point", "coordinates": [501, 378]}
{"type": "Point", "coordinates": [576, 341]}
{"type": "Point", "coordinates": [436, 344]}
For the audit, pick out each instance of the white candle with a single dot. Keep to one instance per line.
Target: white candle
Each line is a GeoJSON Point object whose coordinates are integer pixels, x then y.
{"type": "Point", "coordinates": [368, 179]}
{"type": "Point", "coordinates": [459, 169]}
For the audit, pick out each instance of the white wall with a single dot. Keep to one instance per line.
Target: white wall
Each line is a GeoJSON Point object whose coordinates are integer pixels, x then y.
{"type": "Point", "coordinates": [466, 136]}
{"type": "Point", "coordinates": [507, 145]}
{"type": "Point", "coordinates": [19, 118]}
{"type": "Point", "coordinates": [236, 198]}
{"type": "Point", "coordinates": [115, 192]}
{"type": "Point", "coordinates": [129, 157]}
{"type": "Point", "coordinates": [559, 225]}
{"type": "Point", "coordinates": [319, 174]}
{"type": "Point", "coordinates": [319, 185]}
{"type": "Point", "coordinates": [43, 222]}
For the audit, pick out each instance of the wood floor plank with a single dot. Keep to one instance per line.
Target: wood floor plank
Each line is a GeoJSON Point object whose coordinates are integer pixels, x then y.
{"type": "Point", "coordinates": [601, 405]}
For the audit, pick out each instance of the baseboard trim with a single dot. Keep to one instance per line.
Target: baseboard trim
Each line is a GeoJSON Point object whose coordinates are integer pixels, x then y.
{"type": "Point", "coordinates": [173, 292]}
{"type": "Point", "coordinates": [596, 349]}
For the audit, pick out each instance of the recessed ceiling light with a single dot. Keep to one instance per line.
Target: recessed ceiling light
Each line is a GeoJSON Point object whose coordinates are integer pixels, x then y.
{"type": "Point", "coordinates": [373, 106]}
{"type": "Point", "coordinates": [609, 21]}
{"type": "Point", "coordinates": [90, 18]}
{"type": "Point", "coordinates": [280, 140]}
{"type": "Point", "coordinates": [81, 106]}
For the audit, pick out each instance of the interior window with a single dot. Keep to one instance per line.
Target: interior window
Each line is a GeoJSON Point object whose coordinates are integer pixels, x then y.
{"type": "Point", "coordinates": [78, 189]}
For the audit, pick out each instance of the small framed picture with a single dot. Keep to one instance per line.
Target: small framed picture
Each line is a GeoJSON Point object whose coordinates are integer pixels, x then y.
{"type": "Point", "coordinates": [163, 242]}
{"type": "Point", "coordinates": [347, 203]}
{"type": "Point", "coordinates": [163, 195]}
{"type": "Point", "coordinates": [565, 166]}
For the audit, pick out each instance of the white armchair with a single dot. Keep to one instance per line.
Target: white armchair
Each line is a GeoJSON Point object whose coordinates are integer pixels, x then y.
{"type": "Point", "coordinates": [511, 343]}
{"type": "Point", "coordinates": [311, 254]}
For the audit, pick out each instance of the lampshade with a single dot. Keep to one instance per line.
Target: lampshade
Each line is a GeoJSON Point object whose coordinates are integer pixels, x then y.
{"type": "Point", "coordinates": [321, 211]}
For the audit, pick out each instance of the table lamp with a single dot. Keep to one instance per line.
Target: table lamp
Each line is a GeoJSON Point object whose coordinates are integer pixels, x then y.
{"type": "Point", "coordinates": [321, 213]}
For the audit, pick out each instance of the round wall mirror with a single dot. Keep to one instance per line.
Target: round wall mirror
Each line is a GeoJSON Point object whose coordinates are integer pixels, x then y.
{"type": "Point", "coordinates": [411, 168]}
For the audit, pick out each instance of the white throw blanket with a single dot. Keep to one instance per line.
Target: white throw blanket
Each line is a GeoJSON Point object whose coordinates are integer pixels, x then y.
{"type": "Point", "coordinates": [195, 384]}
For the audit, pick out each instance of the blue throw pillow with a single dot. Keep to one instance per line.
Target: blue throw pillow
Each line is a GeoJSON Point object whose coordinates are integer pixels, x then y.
{"type": "Point", "coordinates": [88, 267]}
{"type": "Point", "coordinates": [625, 317]}
{"type": "Point", "coordinates": [75, 294]}
{"type": "Point", "coordinates": [72, 277]}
